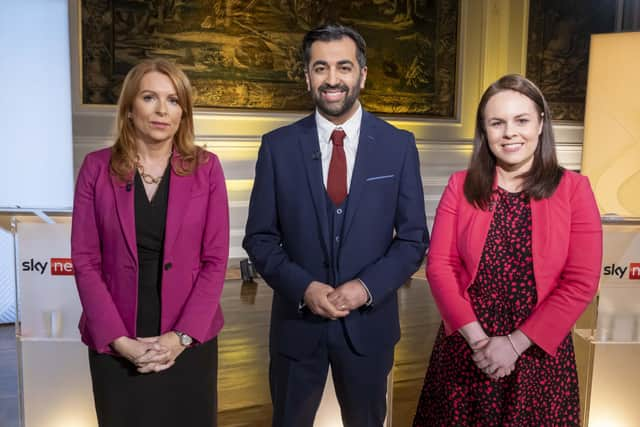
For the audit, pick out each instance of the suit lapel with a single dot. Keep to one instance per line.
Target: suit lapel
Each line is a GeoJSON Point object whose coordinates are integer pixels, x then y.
{"type": "Point", "coordinates": [123, 195]}
{"type": "Point", "coordinates": [364, 158]}
{"type": "Point", "coordinates": [310, 148]}
{"type": "Point", "coordinates": [479, 225]}
{"type": "Point", "coordinates": [477, 234]}
{"type": "Point", "coordinates": [540, 230]}
{"type": "Point", "coordinates": [178, 204]}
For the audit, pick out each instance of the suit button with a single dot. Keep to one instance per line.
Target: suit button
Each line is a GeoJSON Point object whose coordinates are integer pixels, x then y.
{"type": "Point", "coordinates": [168, 266]}
{"type": "Point", "coordinates": [325, 264]}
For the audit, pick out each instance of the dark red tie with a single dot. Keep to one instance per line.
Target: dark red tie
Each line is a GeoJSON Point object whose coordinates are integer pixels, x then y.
{"type": "Point", "coordinates": [337, 179]}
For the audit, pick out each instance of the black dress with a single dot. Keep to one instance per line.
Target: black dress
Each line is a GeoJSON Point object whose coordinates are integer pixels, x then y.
{"type": "Point", "coordinates": [543, 390]}
{"type": "Point", "coordinates": [183, 395]}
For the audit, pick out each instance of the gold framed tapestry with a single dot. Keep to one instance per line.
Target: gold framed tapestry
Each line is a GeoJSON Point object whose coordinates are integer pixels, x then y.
{"type": "Point", "coordinates": [558, 50]}
{"type": "Point", "coordinates": [246, 53]}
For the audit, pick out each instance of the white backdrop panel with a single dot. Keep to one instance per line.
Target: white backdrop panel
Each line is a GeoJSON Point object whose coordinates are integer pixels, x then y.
{"type": "Point", "coordinates": [36, 166]}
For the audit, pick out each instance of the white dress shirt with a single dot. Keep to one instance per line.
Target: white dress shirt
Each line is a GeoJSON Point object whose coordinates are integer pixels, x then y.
{"type": "Point", "coordinates": [352, 130]}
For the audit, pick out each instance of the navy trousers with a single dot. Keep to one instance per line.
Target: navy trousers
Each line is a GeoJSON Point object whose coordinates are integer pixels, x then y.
{"type": "Point", "coordinates": [360, 382]}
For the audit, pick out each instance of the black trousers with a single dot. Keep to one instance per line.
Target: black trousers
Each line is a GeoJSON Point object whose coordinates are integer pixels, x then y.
{"type": "Point", "coordinates": [183, 395]}
{"type": "Point", "coordinates": [360, 382]}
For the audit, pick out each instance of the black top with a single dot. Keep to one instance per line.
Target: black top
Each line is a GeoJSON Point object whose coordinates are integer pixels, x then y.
{"type": "Point", "coordinates": [151, 217]}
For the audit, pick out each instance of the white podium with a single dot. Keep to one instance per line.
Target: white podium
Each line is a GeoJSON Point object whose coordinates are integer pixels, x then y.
{"type": "Point", "coordinates": [53, 368]}
{"type": "Point", "coordinates": [608, 355]}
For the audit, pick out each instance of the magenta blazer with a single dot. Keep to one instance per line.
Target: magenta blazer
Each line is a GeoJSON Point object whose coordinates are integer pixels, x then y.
{"type": "Point", "coordinates": [105, 259]}
{"type": "Point", "coordinates": [567, 256]}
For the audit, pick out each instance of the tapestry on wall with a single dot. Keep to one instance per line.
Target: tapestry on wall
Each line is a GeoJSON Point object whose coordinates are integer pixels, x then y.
{"type": "Point", "coordinates": [558, 50]}
{"type": "Point", "coordinates": [246, 53]}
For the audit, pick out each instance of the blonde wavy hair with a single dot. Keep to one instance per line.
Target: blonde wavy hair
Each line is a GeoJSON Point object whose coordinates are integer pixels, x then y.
{"type": "Point", "coordinates": [123, 151]}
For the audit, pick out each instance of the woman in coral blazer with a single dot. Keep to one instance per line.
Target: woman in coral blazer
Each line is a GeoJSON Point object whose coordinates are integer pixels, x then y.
{"type": "Point", "coordinates": [149, 243]}
{"type": "Point", "coordinates": [514, 260]}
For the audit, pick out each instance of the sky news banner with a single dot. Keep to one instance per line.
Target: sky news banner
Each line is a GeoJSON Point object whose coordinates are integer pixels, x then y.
{"type": "Point", "coordinates": [619, 297]}
{"type": "Point", "coordinates": [49, 306]}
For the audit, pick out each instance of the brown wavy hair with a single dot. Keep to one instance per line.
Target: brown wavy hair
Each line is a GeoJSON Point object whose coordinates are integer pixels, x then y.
{"type": "Point", "coordinates": [544, 176]}
{"type": "Point", "coordinates": [123, 151]}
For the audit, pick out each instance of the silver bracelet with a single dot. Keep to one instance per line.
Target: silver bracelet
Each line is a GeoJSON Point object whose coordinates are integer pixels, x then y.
{"type": "Point", "coordinates": [513, 346]}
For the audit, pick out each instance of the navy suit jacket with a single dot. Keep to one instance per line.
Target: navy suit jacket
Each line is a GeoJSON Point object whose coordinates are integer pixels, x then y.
{"type": "Point", "coordinates": [384, 236]}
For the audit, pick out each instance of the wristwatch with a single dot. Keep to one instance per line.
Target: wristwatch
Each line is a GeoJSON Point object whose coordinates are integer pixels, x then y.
{"type": "Point", "coordinates": [185, 340]}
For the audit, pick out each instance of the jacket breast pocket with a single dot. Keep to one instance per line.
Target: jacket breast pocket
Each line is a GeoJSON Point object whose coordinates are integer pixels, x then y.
{"type": "Point", "coordinates": [381, 178]}
{"type": "Point", "coordinates": [381, 192]}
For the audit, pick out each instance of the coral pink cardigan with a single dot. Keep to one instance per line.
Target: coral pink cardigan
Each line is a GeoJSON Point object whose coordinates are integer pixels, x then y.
{"type": "Point", "coordinates": [567, 257]}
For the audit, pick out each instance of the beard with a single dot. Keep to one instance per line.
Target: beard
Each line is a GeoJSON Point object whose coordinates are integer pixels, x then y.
{"type": "Point", "coordinates": [336, 109]}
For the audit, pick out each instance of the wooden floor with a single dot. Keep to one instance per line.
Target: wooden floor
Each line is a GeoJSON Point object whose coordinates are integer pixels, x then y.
{"type": "Point", "coordinates": [243, 390]}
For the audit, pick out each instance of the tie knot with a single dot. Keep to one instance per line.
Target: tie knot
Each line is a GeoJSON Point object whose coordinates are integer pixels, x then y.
{"type": "Point", "coordinates": [337, 137]}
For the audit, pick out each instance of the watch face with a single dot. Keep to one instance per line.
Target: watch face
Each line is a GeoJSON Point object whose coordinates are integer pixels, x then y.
{"type": "Point", "coordinates": [185, 340]}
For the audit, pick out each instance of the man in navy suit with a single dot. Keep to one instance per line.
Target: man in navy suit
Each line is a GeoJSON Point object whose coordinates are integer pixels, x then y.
{"type": "Point", "coordinates": [336, 225]}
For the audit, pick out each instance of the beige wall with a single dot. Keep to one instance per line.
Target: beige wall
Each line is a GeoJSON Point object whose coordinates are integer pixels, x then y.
{"type": "Point", "coordinates": [492, 39]}
{"type": "Point", "coordinates": [612, 134]}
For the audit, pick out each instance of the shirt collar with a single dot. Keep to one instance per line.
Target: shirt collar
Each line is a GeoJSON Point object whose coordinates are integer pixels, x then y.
{"type": "Point", "coordinates": [351, 127]}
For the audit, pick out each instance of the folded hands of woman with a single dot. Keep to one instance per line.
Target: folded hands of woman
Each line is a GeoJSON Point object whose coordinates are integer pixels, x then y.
{"type": "Point", "coordinates": [150, 354]}
{"type": "Point", "coordinates": [496, 356]}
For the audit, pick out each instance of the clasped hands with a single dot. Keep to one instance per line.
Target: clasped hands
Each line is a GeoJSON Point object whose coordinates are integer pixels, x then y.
{"type": "Point", "coordinates": [494, 356]}
{"type": "Point", "coordinates": [333, 303]}
{"type": "Point", "coordinates": [150, 354]}
{"type": "Point", "coordinates": [497, 356]}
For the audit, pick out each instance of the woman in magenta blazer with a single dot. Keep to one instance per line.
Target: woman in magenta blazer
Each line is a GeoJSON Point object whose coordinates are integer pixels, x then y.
{"type": "Point", "coordinates": [514, 260]}
{"type": "Point", "coordinates": [149, 243]}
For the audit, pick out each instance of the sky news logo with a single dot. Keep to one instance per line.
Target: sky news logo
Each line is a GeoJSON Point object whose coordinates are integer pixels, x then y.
{"type": "Point", "coordinates": [56, 266]}
{"type": "Point", "coordinates": [620, 271]}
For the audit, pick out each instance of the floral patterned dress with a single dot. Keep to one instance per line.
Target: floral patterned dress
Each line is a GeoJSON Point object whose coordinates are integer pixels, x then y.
{"type": "Point", "coordinates": [542, 390]}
